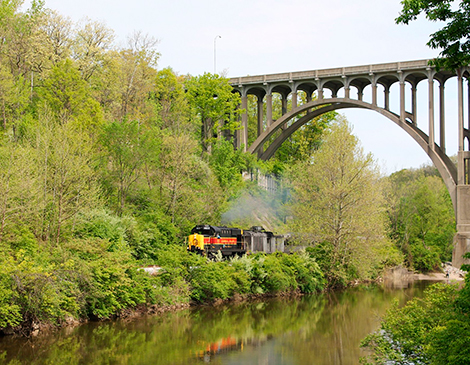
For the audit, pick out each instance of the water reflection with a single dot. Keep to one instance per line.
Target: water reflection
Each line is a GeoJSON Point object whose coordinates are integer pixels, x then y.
{"type": "Point", "coordinates": [316, 329]}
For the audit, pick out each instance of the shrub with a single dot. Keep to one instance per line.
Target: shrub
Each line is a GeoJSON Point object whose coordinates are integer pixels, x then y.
{"type": "Point", "coordinates": [212, 280]}
{"type": "Point", "coordinates": [306, 271]}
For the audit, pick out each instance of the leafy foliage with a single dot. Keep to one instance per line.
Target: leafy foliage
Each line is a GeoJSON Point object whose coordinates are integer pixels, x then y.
{"type": "Point", "coordinates": [337, 207]}
{"type": "Point", "coordinates": [431, 330]}
{"type": "Point", "coordinates": [256, 274]}
{"type": "Point", "coordinates": [212, 101]}
{"type": "Point", "coordinates": [421, 217]}
{"type": "Point", "coordinates": [452, 39]}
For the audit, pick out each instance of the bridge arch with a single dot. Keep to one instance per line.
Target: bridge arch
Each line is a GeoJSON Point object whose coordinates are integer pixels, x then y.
{"type": "Point", "coordinates": [442, 162]}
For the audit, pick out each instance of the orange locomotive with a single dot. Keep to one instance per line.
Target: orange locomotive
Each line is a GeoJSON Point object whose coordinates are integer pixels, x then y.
{"type": "Point", "coordinates": [208, 240]}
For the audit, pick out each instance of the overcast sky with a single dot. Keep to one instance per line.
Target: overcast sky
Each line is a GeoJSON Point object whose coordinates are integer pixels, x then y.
{"type": "Point", "coordinates": [270, 36]}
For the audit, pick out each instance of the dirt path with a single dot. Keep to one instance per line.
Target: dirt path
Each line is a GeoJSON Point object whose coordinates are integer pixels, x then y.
{"type": "Point", "coordinates": [438, 277]}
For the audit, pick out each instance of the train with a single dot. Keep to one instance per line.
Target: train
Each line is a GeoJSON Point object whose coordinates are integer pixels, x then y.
{"type": "Point", "coordinates": [209, 240]}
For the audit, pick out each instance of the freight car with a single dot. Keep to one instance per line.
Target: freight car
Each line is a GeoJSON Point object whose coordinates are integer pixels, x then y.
{"type": "Point", "coordinates": [208, 240]}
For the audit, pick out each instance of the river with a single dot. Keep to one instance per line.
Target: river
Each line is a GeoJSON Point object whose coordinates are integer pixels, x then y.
{"type": "Point", "coordinates": [313, 329]}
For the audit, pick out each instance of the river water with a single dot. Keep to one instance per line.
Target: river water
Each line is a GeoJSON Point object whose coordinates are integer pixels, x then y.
{"type": "Point", "coordinates": [313, 329]}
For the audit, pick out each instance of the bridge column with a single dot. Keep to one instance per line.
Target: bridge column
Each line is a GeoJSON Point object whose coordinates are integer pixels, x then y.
{"type": "Point", "coordinates": [431, 111]}
{"type": "Point", "coordinates": [260, 114]}
{"type": "Point", "coordinates": [284, 107]}
{"type": "Point", "coordinates": [442, 116]}
{"type": "Point", "coordinates": [387, 97]}
{"type": "Point", "coordinates": [402, 101]}
{"type": "Point", "coordinates": [462, 237]}
{"type": "Point", "coordinates": [309, 99]}
{"type": "Point", "coordinates": [244, 131]}
{"type": "Point", "coordinates": [269, 109]}
{"type": "Point", "coordinates": [283, 103]}
{"type": "Point", "coordinates": [294, 100]}
{"type": "Point", "coordinates": [468, 112]}
{"type": "Point", "coordinates": [374, 93]}
{"type": "Point", "coordinates": [414, 109]}
{"type": "Point", "coordinates": [320, 94]}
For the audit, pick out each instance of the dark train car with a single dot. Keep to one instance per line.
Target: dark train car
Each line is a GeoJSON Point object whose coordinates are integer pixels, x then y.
{"type": "Point", "coordinates": [208, 240]}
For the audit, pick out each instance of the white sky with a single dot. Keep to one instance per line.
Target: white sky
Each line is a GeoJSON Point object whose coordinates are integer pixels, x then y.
{"type": "Point", "coordinates": [270, 36]}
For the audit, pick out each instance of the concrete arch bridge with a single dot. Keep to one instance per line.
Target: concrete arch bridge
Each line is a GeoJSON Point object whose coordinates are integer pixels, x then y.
{"type": "Point", "coordinates": [345, 88]}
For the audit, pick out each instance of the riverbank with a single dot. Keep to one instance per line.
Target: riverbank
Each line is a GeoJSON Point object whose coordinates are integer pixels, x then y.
{"type": "Point", "coordinates": [215, 283]}
{"type": "Point", "coordinates": [402, 277]}
{"type": "Point", "coordinates": [439, 276]}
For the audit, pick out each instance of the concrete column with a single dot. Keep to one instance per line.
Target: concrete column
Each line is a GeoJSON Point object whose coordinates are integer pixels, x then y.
{"type": "Point", "coordinates": [461, 247]}
{"type": "Point", "coordinates": [294, 100]}
{"type": "Point", "coordinates": [374, 93]}
{"type": "Point", "coordinates": [347, 91]}
{"type": "Point", "coordinates": [320, 94]}
{"type": "Point", "coordinates": [387, 97]}
{"type": "Point", "coordinates": [283, 104]}
{"type": "Point", "coordinates": [402, 101]}
{"type": "Point", "coordinates": [462, 237]}
{"type": "Point", "coordinates": [460, 108]}
{"type": "Point", "coordinates": [309, 99]}
{"type": "Point", "coordinates": [414, 109]}
{"type": "Point", "coordinates": [442, 116]}
{"type": "Point", "coordinates": [260, 115]}
{"type": "Point", "coordinates": [360, 94]}
{"type": "Point", "coordinates": [468, 111]}
{"type": "Point", "coordinates": [269, 109]}
{"type": "Point", "coordinates": [244, 131]}
{"type": "Point", "coordinates": [431, 112]}
{"type": "Point", "coordinates": [237, 133]}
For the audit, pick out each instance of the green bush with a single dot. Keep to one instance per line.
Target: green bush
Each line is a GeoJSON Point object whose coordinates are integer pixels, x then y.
{"type": "Point", "coordinates": [211, 281]}
{"type": "Point", "coordinates": [424, 259]}
{"type": "Point", "coordinates": [10, 311]}
{"type": "Point", "coordinates": [307, 272]}
{"type": "Point", "coordinates": [429, 330]}
{"type": "Point", "coordinates": [279, 277]}
{"type": "Point", "coordinates": [101, 224]}
{"type": "Point", "coordinates": [151, 232]}
{"type": "Point", "coordinates": [42, 291]}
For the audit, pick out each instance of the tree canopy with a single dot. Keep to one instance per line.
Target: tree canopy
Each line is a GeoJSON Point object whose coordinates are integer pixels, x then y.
{"type": "Point", "coordinates": [452, 39]}
{"type": "Point", "coordinates": [338, 202]}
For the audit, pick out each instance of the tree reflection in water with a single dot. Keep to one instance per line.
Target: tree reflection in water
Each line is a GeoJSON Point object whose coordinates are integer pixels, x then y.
{"type": "Point", "coordinates": [314, 329]}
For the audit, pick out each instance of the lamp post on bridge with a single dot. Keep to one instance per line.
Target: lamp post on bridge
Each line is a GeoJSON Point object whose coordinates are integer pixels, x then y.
{"type": "Point", "coordinates": [215, 59]}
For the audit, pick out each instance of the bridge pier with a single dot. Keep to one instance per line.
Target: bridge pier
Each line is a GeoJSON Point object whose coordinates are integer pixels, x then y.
{"type": "Point", "coordinates": [462, 237]}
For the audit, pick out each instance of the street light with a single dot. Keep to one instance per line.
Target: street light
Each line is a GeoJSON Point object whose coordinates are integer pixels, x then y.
{"type": "Point", "coordinates": [215, 60]}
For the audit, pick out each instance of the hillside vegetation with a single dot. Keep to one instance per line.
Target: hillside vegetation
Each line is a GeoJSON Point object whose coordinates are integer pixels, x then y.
{"type": "Point", "coordinates": [107, 162]}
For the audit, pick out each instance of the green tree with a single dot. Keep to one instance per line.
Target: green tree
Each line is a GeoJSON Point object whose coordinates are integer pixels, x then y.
{"type": "Point", "coordinates": [227, 164]}
{"type": "Point", "coordinates": [90, 47]}
{"type": "Point", "coordinates": [174, 110]}
{"type": "Point", "coordinates": [430, 330]}
{"type": "Point", "coordinates": [68, 95]}
{"type": "Point", "coordinates": [7, 84]}
{"type": "Point", "coordinates": [124, 153]}
{"type": "Point", "coordinates": [138, 62]}
{"type": "Point", "coordinates": [452, 39]}
{"type": "Point", "coordinates": [214, 104]}
{"type": "Point", "coordinates": [18, 190]}
{"type": "Point", "coordinates": [304, 142]}
{"type": "Point", "coordinates": [421, 217]}
{"type": "Point", "coordinates": [64, 160]}
{"type": "Point", "coordinates": [188, 188]}
{"type": "Point", "coordinates": [337, 204]}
